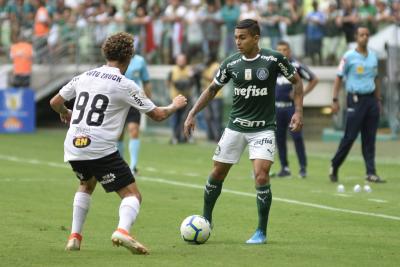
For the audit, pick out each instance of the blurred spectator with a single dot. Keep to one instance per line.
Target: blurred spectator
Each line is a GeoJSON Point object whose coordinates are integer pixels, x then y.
{"type": "Point", "coordinates": [22, 15]}
{"type": "Point", "coordinates": [295, 28]}
{"type": "Point", "coordinates": [333, 34]}
{"type": "Point", "coordinates": [158, 33]}
{"type": "Point", "coordinates": [194, 34]}
{"type": "Point", "coordinates": [180, 82]}
{"type": "Point", "coordinates": [21, 54]}
{"type": "Point", "coordinates": [230, 13]}
{"type": "Point", "coordinates": [383, 16]}
{"type": "Point", "coordinates": [367, 13]}
{"type": "Point", "coordinates": [73, 4]}
{"type": "Point", "coordinates": [214, 110]}
{"type": "Point", "coordinates": [115, 20]}
{"type": "Point", "coordinates": [248, 10]}
{"type": "Point", "coordinates": [211, 25]}
{"type": "Point", "coordinates": [396, 11]}
{"type": "Point", "coordinates": [3, 18]}
{"type": "Point", "coordinates": [315, 33]}
{"type": "Point", "coordinates": [270, 21]}
{"type": "Point", "coordinates": [174, 15]}
{"type": "Point", "coordinates": [348, 20]}
{"type": "Point", "coordinates": [41, 29]}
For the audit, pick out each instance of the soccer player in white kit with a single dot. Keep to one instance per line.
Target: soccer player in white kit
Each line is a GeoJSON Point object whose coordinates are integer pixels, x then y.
{"type": "Point", "coordinates": [103, 98]}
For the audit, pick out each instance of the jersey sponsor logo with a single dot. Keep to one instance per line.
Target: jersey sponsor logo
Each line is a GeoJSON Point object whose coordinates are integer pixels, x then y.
{"type": "Point", "coordinates": [249, 124]}
{"type": "Point", "coordinates": [81, 141]}
{"type": "Point", "coordinates": [233, 62]}
{"type": "Point", "coordinates": [269, 58]}
{"type": "Point", "coordinates": [284, 69]}
{"type": "Point", "coordinates": [108, 178]}
{"type": "Point", "coordinates": [247, 74]}
{"type": "Point", "coordinates": [252, 90]}
{"type": "Point", "coordinates": [262, 74]}
{"type": "Point", "coordinates": [136, 98]}
{"type": "Point", "coordinates": [263, 141]}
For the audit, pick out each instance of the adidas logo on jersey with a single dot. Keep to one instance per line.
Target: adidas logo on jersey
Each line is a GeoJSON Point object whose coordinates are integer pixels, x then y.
{"type": "Point", "coordinates": [252, 90]}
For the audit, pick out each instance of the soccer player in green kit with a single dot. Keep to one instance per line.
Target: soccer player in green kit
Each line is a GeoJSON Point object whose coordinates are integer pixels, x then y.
{"type": "Point", "coordinates": [252, 118]}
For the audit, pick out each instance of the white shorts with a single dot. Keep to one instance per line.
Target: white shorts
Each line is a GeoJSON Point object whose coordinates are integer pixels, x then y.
{"type": "Point", "coordinates": [232, 143]}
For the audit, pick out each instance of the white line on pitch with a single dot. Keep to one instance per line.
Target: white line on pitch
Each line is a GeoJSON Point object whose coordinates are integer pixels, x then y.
{"type": "Point", "coordinates": [176, 183]}
{"type": "Point", "coordinates": [377, 200]}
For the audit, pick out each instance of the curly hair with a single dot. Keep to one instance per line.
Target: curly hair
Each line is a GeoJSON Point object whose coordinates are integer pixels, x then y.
{"type": "Point", "coordinates": [118, 47]}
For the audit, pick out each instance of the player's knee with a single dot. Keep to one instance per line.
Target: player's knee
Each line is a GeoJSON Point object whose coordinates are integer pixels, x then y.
{"type": "Point", "coordinates": [218, 173]}
{"type": "Point", "coordinates": [133, 130]}
{"type": "Point", "coordinates": [261, 177]}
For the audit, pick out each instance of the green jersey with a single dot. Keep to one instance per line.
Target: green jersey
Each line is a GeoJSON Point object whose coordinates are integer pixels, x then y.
{"type": "Point", "coordinates": [254, 80]}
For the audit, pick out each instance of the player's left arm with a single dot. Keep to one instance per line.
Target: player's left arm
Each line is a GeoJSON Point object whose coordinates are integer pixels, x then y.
{"type": "Point", "coordinates": [296, 122]}
{"type": "Point", "coordinates": [287, 70]}
{"type": "Point", "coordinates": [306, 74]}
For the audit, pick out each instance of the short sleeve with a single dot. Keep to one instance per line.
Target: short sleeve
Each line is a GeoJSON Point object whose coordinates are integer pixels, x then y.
{"type": "Point", "coordinates": [69, 90]}
{"type": "Point", "coordinates": [136, 98]}
{"type": "Point", "coordinates": [222, 77]}
{"type": "Point", "coordinates": [305, 72]}
{"type": "Point", "coordinates": [342, 68]}
{"type": "Point", "coordinates": [285, 68]}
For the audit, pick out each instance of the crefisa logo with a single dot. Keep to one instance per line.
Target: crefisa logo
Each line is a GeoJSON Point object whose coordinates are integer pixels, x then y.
{"type": "Point", "coordinates": [81, 141]}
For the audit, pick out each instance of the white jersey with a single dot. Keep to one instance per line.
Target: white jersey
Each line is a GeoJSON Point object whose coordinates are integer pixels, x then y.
{"type": "Point", "coordinates": [103, 98]}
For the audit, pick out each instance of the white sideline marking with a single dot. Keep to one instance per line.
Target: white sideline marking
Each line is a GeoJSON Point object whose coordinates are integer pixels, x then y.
{"type": "Point", "coordinates": [342, 195]}
{"type": "Point", "coordinates": [377, 200]}
{"type": "Point", "coordinates": [176, 183]}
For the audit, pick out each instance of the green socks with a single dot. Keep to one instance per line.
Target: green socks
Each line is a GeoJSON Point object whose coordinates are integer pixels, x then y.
{"type": "Point", "coordinates": [264, 200]}
{"type": "Point", "coordinates": [212, 191]}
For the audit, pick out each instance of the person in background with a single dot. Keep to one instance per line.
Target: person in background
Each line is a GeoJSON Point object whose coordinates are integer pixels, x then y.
{"type": "Point", "coordinates": [359, 68]}
{"type": "Point", "coordinates": [137, 72]}
{"type": "Point", "coordinates": [21, 54]}
{"type": "Point", "coordinates": [214, 110]}
{"type": "Point", "coordinates": [285, 109]}
{"type": "Point", "coordinates": [230, 13]}
{"type": "Point", "coordinates": [180, 82]}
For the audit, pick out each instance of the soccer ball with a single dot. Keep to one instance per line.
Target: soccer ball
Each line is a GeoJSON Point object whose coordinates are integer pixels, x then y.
{"type": "Point", "coordinates": [195, 229]}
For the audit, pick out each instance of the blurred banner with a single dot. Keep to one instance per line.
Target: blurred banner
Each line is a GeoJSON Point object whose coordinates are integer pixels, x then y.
{"type": "Point", "coordinates": [17, 111]}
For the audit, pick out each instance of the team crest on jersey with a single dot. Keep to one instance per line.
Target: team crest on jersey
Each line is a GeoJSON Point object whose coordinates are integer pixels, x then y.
{"type": "Point", "coordinates": [262, 74]}
{"type": "Point", "coordinates": [247, 74]}
{"type": "Point", "coordinates": [81, 141]}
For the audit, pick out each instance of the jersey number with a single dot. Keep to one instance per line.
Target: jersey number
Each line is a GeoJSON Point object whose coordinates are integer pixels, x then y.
{"type": "Point", "coordinates": [81, 103]}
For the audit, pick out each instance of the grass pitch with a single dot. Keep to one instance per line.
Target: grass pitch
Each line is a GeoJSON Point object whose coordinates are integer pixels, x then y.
{"type": "Point", "coordinates": [310, 224]}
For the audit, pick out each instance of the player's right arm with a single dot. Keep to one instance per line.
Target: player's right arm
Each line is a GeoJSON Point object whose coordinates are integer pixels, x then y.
{"type": "Point", "coordinates": [162, 113]}
{"type": "Point", "coordinates": [66, 93]}
{"type": "Point", "coordinates": [337, 85]}
{"type": "Point", "coordinates": [207, 95]}
{"type": "Point", "coordinates": [221, 78]}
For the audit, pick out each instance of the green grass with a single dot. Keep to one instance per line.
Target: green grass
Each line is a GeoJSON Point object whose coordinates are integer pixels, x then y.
{"type": "Point", "coordinates": [36, 204]}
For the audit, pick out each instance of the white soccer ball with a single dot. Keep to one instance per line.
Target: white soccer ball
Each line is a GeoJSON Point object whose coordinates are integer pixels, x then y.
{"type": "Point", "coordinates": [357, 188]}
{"type": "Point", "coordinates": [367, 188]}
{"type": "Point", "coordinates": [340, 188]}
{"type": "Point", "coordinates": [195, 229]}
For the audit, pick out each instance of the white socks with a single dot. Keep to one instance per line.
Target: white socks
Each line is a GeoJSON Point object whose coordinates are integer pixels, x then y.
{"type": "Point", "coordinates": [128, 210]}
{"type": "Point", "coordinates": [81, 208]}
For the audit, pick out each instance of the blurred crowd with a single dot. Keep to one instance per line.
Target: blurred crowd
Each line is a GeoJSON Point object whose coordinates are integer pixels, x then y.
{"type": "Point", "coordinates": [198, 28]}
